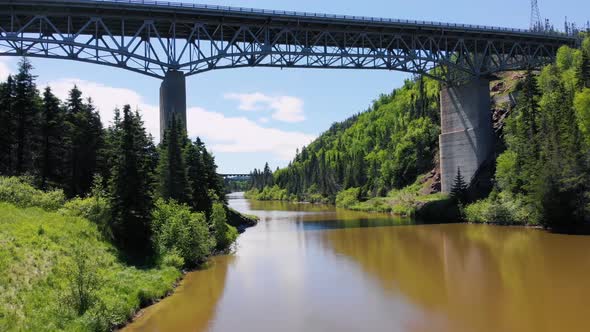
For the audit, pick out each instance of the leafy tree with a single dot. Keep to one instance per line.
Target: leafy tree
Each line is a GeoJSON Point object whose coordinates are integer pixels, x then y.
{"type": "Point", "coordinates": [178, 230]}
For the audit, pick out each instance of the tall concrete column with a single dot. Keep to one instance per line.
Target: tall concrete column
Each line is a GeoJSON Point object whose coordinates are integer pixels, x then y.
{"type": "Point", "coordinates": [172, 100]}
{"type": "Point", "coordinates": [466, 139]}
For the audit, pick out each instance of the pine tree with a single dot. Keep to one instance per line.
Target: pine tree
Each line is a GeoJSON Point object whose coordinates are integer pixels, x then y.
{"type": "Point", "coordinates": [51, 153]}
{"type": "Point", "coordinates": [7, 125]}
{"type": "Point", "coordinates": [85, 140]}
{"type": "Point", "coordinates": [131, 184]}
{"type": "Point", "coordinates": [25, 108]}
{"type": "Point", "coordinates": [459, 188]}
{"type": "Point", "coordinates": [172, 171]}
{"type": "Point", "coordinates": [214, 181]}
{"type": "Point", "coordinates": [200, 200]}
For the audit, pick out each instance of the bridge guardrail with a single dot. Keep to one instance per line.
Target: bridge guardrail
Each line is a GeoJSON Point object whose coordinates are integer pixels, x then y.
{"type": "Point", "coordinates": [327, 16]}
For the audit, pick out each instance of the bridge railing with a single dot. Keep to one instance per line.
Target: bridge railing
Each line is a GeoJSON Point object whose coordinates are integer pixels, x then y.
{"type": "Point", "coordinates": [325, 16]}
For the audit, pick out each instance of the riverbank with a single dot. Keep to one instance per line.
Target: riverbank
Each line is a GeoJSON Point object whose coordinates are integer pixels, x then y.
{"type": "Point", "coordinates": [417, 200]}
{"type": "Point", "coordinates": [60, 271]}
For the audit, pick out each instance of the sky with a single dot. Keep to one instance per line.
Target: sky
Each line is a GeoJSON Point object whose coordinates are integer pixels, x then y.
{"type": "Point", "coordinates": [250, 116]}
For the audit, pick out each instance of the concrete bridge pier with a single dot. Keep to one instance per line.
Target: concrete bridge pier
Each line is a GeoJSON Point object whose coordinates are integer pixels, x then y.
{"type": "Point", "coordinates": [466, 139]}
{"type": "Point", "coordinates": [172, 100]}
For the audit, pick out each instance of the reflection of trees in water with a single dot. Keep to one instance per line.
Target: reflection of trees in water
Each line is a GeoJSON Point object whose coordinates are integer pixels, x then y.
{"type": "Point", "coordinates": [480, 278]}
{"type": "Point", "coordinates": [193, 304]}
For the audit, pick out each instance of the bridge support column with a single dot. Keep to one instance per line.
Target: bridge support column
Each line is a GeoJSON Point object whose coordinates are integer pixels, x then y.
{"type": "Point", "coordinates": [466, 139]}
{"type": "Point", "coordinates": [172, 100]}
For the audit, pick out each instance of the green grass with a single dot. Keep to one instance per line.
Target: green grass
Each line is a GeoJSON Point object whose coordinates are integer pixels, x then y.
{"type": "Point", "coordinates": [37, 253]}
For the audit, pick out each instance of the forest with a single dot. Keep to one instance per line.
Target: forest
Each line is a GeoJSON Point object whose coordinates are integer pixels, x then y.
{"type": "Point", "coordinates": [98, 219]}
{"type": "Point", "coordinates": [383, 154]}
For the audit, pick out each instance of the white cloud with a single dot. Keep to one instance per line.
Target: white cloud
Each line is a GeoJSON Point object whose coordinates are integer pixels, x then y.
{"type": "Point", "coordinates": [5, 69]}
{"type": "Point", "coordinates": [285, 108]}
{"type": "Point", "coordinates": [263, 120]}
{"type": "Point", "coordinates": [230, 134]}
{"type": "Point", "coordinates": [221, 133]}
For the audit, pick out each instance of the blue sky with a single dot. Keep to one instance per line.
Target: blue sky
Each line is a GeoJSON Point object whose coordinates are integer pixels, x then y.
{"type": "Point", "coordinates": [251, 115]}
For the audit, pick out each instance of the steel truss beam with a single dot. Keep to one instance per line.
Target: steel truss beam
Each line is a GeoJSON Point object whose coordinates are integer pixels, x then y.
{"type": "Point", "coordinates": [155, 45]}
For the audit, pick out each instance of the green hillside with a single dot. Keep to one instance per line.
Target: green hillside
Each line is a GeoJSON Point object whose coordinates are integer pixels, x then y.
{"type": "Point", "coordinates": [383, 148]}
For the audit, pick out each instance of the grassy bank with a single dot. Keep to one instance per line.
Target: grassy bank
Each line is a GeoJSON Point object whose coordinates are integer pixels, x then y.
{"type": "Point", "coordinates": [52, 264]}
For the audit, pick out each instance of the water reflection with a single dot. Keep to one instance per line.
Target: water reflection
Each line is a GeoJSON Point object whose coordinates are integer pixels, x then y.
{"type": "Point", "coordinates": [315, 268]}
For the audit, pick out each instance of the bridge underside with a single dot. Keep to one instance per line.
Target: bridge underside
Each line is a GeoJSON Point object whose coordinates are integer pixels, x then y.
{"type": "Point", "coordinates": [176, 40]}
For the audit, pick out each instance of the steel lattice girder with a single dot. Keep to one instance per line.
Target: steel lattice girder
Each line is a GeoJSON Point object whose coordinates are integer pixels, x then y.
{"type": "Point", "coordinates": [153, 44]}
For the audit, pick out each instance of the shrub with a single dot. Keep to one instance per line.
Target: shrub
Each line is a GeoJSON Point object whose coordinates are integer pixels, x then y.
{"type": "Point", "coordinates": [96, 209]}
{"type": "Point", "coordinates": [503, 209]}
{"type": "Point", "coordinates": [83, 280]}
{"type": "Point", "coordinates": [172, 259]}
{"type": "Point", "coordinates": [348, 197]}
{"type": "Point", "coordinates": [225, 234]}
{"type": "Point", "coordinates": [176, 228]}
{"type": "Point", "coordinates": [20, 193]}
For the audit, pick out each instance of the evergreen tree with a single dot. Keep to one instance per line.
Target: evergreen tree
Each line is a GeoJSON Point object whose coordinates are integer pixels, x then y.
{"type": "Point", "coordinates": [25, 108]}
{"type": "Point", "coordinates": [172, 170]}
{"type": "Point", "coordinates": [131, 184]}
{"type": "Point", "coordinates": [51, 152]}
{"type": "Point", "coordinates": [85, 142]}
{"type": "Point", "coordinates": [199, 196]}
{"type": "Point", "coordinates": [214, 181]}
{"type": "Point", "coordinates": [7, 126]}
{"type": "Point", "coordinates": [459, 188]}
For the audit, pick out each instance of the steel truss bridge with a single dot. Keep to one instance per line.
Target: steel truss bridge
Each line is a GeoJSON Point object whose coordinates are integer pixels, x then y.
{"type": "Point", "coordinates": [174, 40]}
{"type": "Point", "coordinates": [155, 37]}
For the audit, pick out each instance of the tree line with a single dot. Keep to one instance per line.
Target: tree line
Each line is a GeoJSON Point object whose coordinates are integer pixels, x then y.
{"type": "Point", "coordinates": [64, 145]}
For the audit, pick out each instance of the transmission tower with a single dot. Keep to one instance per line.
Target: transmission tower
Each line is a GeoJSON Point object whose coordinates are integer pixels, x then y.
{"type": "Point", "coordinates": [535, 16]}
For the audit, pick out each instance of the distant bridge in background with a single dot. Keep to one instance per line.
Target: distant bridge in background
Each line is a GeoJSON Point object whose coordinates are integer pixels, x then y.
{"type": "Point", "coordinates": [170, 41]}
{"type": "Point", "coordinates": [235, 176]}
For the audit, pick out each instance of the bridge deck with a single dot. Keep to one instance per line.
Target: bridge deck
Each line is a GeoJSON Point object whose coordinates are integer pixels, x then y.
{"type": "Point", "coordinates": [136, 11]}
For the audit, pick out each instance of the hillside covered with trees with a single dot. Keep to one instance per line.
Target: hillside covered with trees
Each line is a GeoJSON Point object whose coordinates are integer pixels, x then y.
{"type": "Point", "coordinates": [386, 147]}
{"type": "Point", "coordinates": [96, 222]}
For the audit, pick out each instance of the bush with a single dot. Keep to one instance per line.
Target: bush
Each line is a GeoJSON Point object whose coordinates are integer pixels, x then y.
{"type": "Point", "coordinates": [348, 197]}
{"type": "Point", "coordinates": [176, 228]}
{"type": "Point", "coordinates": [503, 209]}
{"type": "Point", "coordinates": [22, 194]}
{"type": "Point", "coordinates": [83, 280]}
{"type": "Point", "coordinates": [225, 234]}
{"type": "Point", "coordinates": [274, 193]}
{"type": "Point", "coordinates": [172, 259]}
{"type": "Point", "coordinates": [96, 209]}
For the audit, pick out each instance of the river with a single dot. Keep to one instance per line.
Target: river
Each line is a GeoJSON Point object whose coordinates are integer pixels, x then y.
{"type": "Point", "coordinates": [316, 268]}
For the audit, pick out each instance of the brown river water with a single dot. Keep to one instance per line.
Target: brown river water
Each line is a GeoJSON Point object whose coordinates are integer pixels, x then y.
{"type": "Point", "coordinates": [316, 268]}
